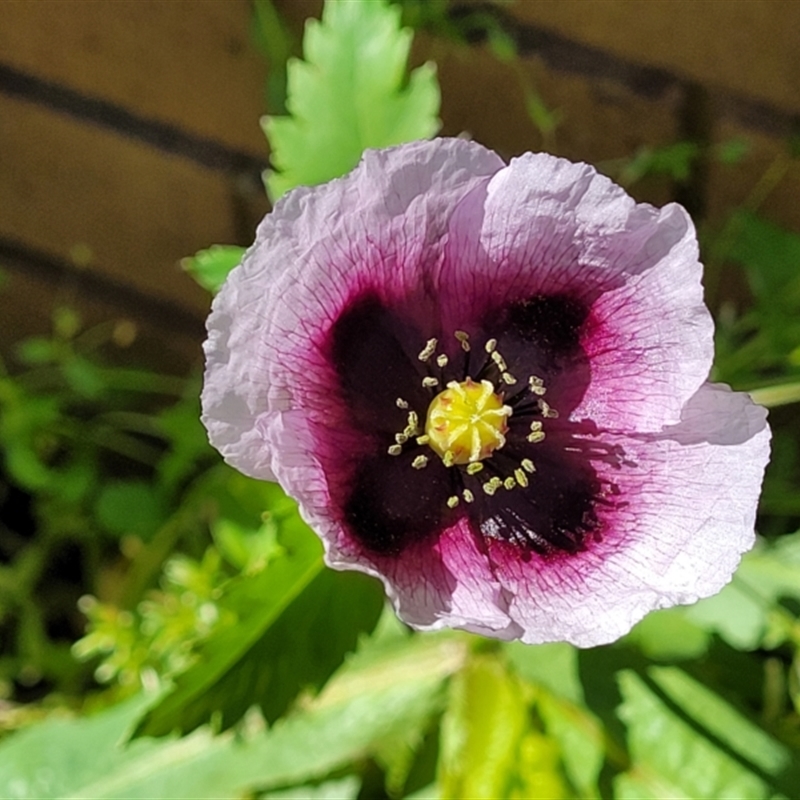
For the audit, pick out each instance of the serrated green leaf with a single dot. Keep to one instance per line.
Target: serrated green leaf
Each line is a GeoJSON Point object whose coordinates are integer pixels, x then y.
{"type": "Point", "coordinates": [87, 758]}
{"type": "Point", "coordinates": [295, 622]}
{"type": "Point", "coordinates": [687, 742]}
{"type": "Point", "coordinates": [210, 267]}
{"type": "Point", "coordinates": [349, 93]}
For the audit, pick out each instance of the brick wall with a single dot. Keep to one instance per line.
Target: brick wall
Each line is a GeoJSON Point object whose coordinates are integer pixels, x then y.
{"type": "Point", "coordinates": [129, 129]}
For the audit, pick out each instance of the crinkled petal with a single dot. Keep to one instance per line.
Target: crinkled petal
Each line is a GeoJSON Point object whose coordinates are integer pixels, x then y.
{"type": "Point", "coordinates": [682, 518]}
{"type": "Point", "coordinates": [546, 226]}
{"type": "Point", "coordinates": [447, 583]}
{"type": "Point", "coordinates": [378, 228]}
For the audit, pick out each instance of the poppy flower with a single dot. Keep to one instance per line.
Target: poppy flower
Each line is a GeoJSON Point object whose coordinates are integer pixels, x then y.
{"type": "Point", "coordinates": [485, 384]}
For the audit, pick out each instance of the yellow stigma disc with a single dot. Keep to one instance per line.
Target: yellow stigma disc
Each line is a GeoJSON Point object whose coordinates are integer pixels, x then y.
{"type": "Point", "coordinates": [466, 422]}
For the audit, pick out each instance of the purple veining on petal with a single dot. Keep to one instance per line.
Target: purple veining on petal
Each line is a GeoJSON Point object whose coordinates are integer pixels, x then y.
{"type": "Point", "coordinates": [639, 494]}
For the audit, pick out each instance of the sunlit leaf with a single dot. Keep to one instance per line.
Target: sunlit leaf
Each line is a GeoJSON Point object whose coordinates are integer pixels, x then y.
{"type": "Point", "coordinates": [744, 611]}
{"type": "Point", "coordinates": [687, 742]}
{"type": "Point", "coordinates": [210, 267]}
{"type": "Point", "coordinates": [349, 93]}
{"type": "Point", "coordinates": [489, 748]}
{"type": "Point", "coordinates": [368, 702]}
{"type": "Point", "coordinates": [295, 622]}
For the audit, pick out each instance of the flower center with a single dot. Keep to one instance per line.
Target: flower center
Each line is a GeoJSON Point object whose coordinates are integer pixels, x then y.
{"type": "Point", "coordinates": [466, 422]}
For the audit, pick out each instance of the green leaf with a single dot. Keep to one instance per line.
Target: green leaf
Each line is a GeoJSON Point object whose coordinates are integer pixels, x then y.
{"type": "Point", "coordinates": [349, 93]}
{"type": "Point", "coordinates": [770, 255]}
{"type": "Point", "coordinates": [341, 789]}
{"type": "Point", "coordinates": [210, 267]}
{"type": "Point", "coordinates": [37, 350]}
{"type": "Point", "coordinates": [554, 666]}
{"type": "Point", "coordinates": [746, 613]}
{"type": "Point", "coordinates": [553, 669]}
{"type": "Point", "coordinates": [295, 622]}
{"type": "Point", "coordinates": [489, 748]}
{"type": "Point", "coordinates": [670, 635]}
{"type": "Point", "coordinates": [366, 703]}
{"type": "Point", "coordinates": [130, 507]}
{"type": "Point", "coordinates": [687, 742]}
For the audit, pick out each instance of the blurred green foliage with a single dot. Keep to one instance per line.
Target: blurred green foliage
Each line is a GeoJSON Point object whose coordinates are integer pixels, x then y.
{"type": "Point", "coordinates": [220, 658]}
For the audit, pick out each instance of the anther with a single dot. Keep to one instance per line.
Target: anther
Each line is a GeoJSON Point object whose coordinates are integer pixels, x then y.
{"type": "Point", "coordinates": [463, 338]}
{"type": "Point", "coordinates": [522, 478]}
{"type": "Point", "coordinates": [427, 351]}
{"type": "Point", "coordinates": [449, 458]}
{"type": "Point", "coordinates": [536, 425]}
{"type": "Point", "coordinates": [491, 345]}
{"type": "Point", "coordinates": [474, 467]}
{"type": "Point", "coordinates": [442, 360]}
{"type": "Point", "coordinates": [509, 483]}
{"type": "Point", "coordinates": [419, 462]}
{"type": "Point", "coordinates": [395, 450]}
{"type": "Point", "coordinates": [492, 485]}
{"type": "Point", "coordinates": [468, 496]}
{"type": "Point", "coordinates": [429, 383]}
{"type": "Point", "coordinates": [536, 385]}
{"type": "Point", "coordinates": [401, 438]}
{"type": "Point", "coordinates": [452, 502]}
{"type": "Point", "coordinates": [528, 465]}
{"type": "Point", "coordinates": [546, 410]}
{"type": "Point", "coordinates": [401, 403]}
{"type": "Point", "coordinates": [535, 436]}
{"type": "Point", "coordinates": [508, 378]}
{"type": "Point", "coordinates": [424, 439]}
{"type": "Point", "coordinates": [500, 361]}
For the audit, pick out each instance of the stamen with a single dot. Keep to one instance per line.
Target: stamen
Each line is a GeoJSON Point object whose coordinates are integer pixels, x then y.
{"type": "Point", "coordinates": [474, 467]}
{"type": "Point", "coordinates": [419, 462]}
{"type": "Point", "coordinates": [509, 483]}
{"type": "Point", "coordinates": [429, 383]}
{"type": "Point", "coordinates": [546, 410]}
{"type": "Point", "coordinates": [528, 465]}
{"type": "Point", "coordinates": [463, 338]}
{"type": "Point", "coordinates": [442, 360]}
{"type": "Point", "coordinates": [468, 496]}
{"type": "Point", "coordinates": [452, 502]}
{"type": "Point", "coordinates": [500, 361]}
{"type": "Point", "coordinates": [401, 403]}
{"type": "Point", "coordinates": [522, 478]}
{"type": "Point", "coordinates": [412, 428]}
{"type": "Point", "coordinates": [395, 450]}
{"type": "Point", "coordinates": [491, 345]}
{"type": "Point", "coordinates": [492, 485]}
{"type": "Point", "coordinates": [428, 350]}
{"type": "Point", "coordinates": [536, 385]}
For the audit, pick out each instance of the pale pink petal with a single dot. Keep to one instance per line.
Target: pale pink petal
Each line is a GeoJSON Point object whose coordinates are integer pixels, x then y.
{"type": "Point", "coordinates": [546, 226]}
{"type": "Point", "coordinates": [683, 516]}
{"type": "Point", "coordinates": [380, 228]}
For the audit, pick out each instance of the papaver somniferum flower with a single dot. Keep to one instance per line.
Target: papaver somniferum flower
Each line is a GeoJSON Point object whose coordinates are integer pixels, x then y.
{"type": "Point", "coordinates": [485, 384]}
